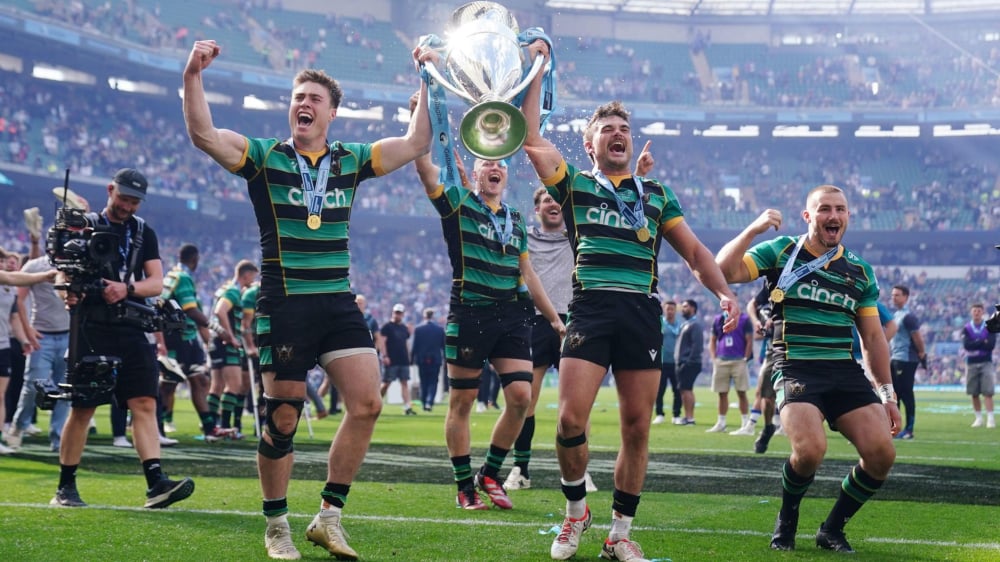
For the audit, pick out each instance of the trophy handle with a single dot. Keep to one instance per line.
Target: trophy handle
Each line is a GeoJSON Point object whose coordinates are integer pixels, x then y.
{"type": "Point", "coordinates": [433, 71]}
{"type": "Point", "coordinates": [536, 67]}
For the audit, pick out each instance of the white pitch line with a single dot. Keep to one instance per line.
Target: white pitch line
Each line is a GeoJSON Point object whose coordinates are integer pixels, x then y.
{"type": "Point", "coordinates": [994, 546]}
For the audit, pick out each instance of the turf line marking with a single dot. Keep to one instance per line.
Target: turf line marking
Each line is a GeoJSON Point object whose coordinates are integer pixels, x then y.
{"type": "Point", "coordinates": [994, 546]}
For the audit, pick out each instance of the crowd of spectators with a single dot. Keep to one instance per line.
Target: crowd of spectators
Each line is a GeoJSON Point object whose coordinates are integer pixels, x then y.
{"type": "Point", "coordinates": [911, 67]}
{"type": "Point", "coordinates": [942, 185]}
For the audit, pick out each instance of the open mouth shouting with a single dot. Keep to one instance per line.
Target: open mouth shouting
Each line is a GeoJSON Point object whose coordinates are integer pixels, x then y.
{"type": "Point", "coordinates": [304, 119]}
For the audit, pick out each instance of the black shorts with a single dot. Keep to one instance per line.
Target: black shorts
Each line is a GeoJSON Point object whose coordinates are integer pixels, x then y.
{"type": "Point", "coordinates": [545, 342]}
{"type": "Point", "coordinates": [835, 387]}
{"type": "Point", "coordinates": [225, 355]}
{"type": "Point", "coordinates": [188, 353]}
{"type": "Point", "coordinates": [294, 331]}
{"type": "Point", "coordinates": [612, 328]}
{"type": "Point", "coordinates": [139, 374]}
{"type": "Point", "coordinates": [687, 373]}
{"type": "Point", "coordinates": [476, 333]}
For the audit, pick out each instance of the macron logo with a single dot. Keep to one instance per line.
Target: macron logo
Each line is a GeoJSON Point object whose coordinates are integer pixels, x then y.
{"type": "Point", "coordinates": [652, 353]}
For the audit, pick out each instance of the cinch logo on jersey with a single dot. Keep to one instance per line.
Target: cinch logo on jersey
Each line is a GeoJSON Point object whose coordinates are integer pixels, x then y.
{"type": "Point", "coordinates": [331, 199]}
{"type": "Point", "coordinates": [825, 296]}
{"type": "Point", "coordinates": [604, 215]}
{"type": "Point", "coordinates": [488, 232]}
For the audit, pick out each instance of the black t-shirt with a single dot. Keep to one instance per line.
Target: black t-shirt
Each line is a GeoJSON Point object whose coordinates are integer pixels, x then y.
{"type": "Point", "coordinates": [128, 233]}
{"type": "Point", "coordinates": [395, 342]}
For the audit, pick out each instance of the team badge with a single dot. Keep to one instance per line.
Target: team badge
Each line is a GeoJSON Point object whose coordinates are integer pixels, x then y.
{"type": "Point", "coordinates": [285, 353]}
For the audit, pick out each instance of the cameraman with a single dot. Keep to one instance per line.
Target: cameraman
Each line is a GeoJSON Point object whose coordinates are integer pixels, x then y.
{"type": "Point", "coordinates": [135, 273]}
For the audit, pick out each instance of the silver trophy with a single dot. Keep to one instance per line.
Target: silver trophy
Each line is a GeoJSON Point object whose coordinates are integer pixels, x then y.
{"type": "Point", "coordinates": [483, 63]}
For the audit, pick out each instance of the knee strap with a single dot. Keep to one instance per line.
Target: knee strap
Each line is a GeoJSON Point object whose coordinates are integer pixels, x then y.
{"type": "Point", "coordinates": [507, 378]}
{"type": "Point", "coordinates": [464, 384]}
{"type": "Point", "coordinates": [281, 443]}
{"type": "Point", "coordinates": [571, 442]}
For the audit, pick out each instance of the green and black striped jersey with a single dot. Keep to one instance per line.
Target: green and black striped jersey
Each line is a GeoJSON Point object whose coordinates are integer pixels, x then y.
{"type": "Point", "coordinates": [609, 253]}
{"type": "Point", "coordinates": [484, 270]}
{"type": "Point", "coordinates": [178, 284]}
{"type": "Point", "coordinates": [815, 320]}
{"type": "Point", "coordinates": [230, 292]}
{"type": "Point", "coordinates": [298, 260]}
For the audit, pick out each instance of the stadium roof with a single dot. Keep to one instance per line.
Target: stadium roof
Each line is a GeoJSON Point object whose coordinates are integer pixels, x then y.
{"type": "Point", "coordinates": [779, 7]}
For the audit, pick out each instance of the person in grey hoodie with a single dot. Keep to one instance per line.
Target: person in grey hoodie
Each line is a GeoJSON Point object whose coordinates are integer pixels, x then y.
{"type": "Point", "coordinates": [690, 343]}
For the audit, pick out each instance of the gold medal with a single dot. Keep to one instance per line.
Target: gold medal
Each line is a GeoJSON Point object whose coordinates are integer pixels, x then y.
{"type": "Point", "coordinates": [313, 222]}
{"type": "Point", "coordinates": [777, 295]}
{"type": "Point", "coordinates": [642, 234]}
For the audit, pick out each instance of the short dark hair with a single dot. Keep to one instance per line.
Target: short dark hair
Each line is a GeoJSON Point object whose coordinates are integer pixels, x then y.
{"type": "Point", "coordinates": [616, 108]}
{"type": "Point", "coordinates": [323, 79]}
{"type": "Point", "coordinates": [902, 289]}
{"type": "Point", "coordinates": [188, 252]}
{"type": "Point", "coordinates": [692, 304]}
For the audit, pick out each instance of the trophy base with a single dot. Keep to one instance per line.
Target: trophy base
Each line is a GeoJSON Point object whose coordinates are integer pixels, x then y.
{"type": "Point", "coordinates": [493, 130]}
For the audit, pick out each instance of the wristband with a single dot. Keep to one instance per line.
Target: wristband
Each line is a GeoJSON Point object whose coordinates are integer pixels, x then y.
{"type": "Point", "coordinates": [887, 393]}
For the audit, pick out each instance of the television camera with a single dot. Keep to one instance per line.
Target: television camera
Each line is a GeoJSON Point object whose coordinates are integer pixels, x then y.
{"type": "Point", "coordinates": [85, 251]}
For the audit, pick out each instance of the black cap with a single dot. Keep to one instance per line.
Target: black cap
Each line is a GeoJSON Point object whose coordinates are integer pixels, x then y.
{"type": "Point", "coordinates": [131, 182]}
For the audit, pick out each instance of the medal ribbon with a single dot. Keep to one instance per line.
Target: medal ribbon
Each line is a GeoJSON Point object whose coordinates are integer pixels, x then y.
{"type": "Point", "coordinates": [634, 217]}
{"type": "Point", "coordinates": [790, 274]}
{"type": "Point", "coordinates": [441, 144]}
{"type": "Point", "coordinates": [315, 193]}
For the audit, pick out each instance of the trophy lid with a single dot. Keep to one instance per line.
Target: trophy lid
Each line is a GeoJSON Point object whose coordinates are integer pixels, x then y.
{"type": "Point", "coordinates": [476, 10]}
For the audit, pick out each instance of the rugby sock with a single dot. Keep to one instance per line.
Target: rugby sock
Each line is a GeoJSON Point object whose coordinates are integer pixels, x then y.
{"type": "Point", "coordinates": [623, 507]}
{"type": "Point", "coordinates": [744, 419]}
{"type": "Point", "coordinates": [238, 411]}
{"type": "Point", "coordinates": [494, 460]}
{"type": "Point", "coordinates": [522, 446]}
{"type": "Point", "coordinates": [207, 422]}
{"type": "Point", "coordinates": [214, 401]}
{"type": "Point", "coordinates": [229, 401]}
{"type": "Point", "coordinates": [275, 510]}
{"type": "Point", "coordinates": [858, 486]}
{"type": "Point", "coordinates": [153, 471]}
{"type": "Point", "coordinates": [461, 467]}
{"type": "Point", "coordinates": [794, 487]}
{"type": "Point", "coordinates": [754, 416]}
{"type": "Point", "coordinates": [576, 497]}
{"type": "Point", "coordinates": [335, 495]}
{"type": "Point", "coordinates": [67, 475]}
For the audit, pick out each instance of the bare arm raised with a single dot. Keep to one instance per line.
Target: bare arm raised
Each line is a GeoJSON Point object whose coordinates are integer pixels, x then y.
{"type": "Point", "coordinates": [224, 146]}
{"type": "Point", "coordinates": [730, 257]}
{"type": "Point", "coordinates": [544, 155]}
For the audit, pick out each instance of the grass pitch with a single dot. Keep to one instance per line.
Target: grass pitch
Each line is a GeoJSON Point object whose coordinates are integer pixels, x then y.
{"type": "Point", "coordinates": [707, 496]}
